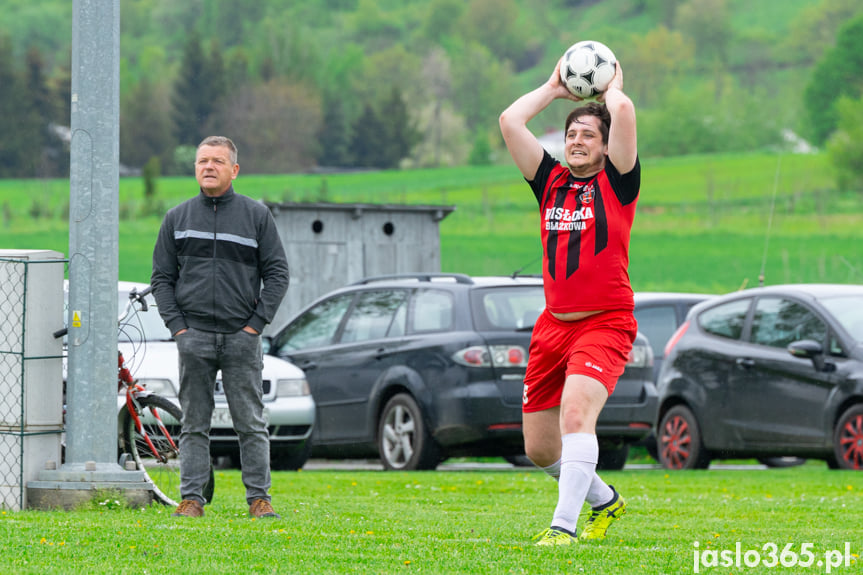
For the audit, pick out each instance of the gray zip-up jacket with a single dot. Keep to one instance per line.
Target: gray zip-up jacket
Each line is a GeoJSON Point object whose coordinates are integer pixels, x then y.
{"type": "Point", "coordinates": [211, 256]}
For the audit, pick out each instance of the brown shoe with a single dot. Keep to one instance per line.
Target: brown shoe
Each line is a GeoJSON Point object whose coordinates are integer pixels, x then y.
{"type": "Point", "coordinates": [262, 508]}
{"type": "Point", "coordinates": [188, 508]}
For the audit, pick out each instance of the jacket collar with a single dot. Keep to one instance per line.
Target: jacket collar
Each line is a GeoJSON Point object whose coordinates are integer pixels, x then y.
{"type": "Point", "coordinates": [226, 197]}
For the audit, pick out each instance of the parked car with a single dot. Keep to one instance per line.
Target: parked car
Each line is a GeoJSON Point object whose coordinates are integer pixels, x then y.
{"type": "Point", "coordinates": [289, 407]}
{"type": "Point", "coordinates": [766, 372]}
{"type": "Point", "coordinates": [416, 368]}
{"type": "Point", "coordinates": [659, 314]}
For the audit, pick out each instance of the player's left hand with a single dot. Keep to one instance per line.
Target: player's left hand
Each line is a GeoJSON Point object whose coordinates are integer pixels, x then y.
{"type": "Point", "coordinates": [616, 82]}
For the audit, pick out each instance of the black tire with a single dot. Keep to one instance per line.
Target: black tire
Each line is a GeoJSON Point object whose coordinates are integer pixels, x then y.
{"type": "Point", "coordinates": [161, 471]}
{"type": "Point", "coordinates": [612, 459]}
{"type": "Point", "coordinates": [404, 441]}
{"type": "Point", "coordinates": [679, 441]}
{"type": "Point", "coordinates": [848, 439]}
{"type": "Point", "coordinates": [290, 457]}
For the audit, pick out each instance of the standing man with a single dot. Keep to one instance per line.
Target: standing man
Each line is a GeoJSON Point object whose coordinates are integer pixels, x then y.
{"type": "Point", "coordinates": [211, 257]}
{"type": "Point", "coordinates": [581, 342]}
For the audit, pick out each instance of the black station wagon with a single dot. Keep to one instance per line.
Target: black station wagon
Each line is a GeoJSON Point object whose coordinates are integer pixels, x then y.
{"type": "Point", "coordinates": [417, 368]}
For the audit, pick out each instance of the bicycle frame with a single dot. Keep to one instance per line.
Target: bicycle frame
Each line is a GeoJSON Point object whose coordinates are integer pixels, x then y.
{"type": "Point", "coordinates": [133, 391]}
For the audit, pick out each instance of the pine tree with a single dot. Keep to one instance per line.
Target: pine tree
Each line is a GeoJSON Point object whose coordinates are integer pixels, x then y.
{"type": "Point", "coordinates": [335, 136]}
{"type": "Point", "coordinates": [196, 93]}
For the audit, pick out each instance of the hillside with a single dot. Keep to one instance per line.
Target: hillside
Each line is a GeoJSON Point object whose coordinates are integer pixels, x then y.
{"type": "Point", "coordinates": [293, 82]}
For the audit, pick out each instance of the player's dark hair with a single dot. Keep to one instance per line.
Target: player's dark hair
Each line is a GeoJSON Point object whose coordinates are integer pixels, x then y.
{"type": "Point", "coordinates": [591, 109]}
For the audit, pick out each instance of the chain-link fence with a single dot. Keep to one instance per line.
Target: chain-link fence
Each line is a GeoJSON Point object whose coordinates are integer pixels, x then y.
{"type": "Point", "coordinates": [14, 363]}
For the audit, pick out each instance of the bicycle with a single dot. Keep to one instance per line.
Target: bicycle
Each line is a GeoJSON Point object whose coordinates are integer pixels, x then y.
{"type": "Point", "coordinates": [148, 423]}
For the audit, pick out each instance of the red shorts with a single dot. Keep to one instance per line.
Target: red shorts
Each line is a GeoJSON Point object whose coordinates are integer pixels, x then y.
{"type": "Point", "coordinates": [597, 346]}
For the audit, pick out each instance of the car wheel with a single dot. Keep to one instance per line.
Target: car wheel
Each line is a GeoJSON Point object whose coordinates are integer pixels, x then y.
{"type": "Point", "coordinates": [848, 439]}
{"type": "Point", "coordinates": [404, 441]}
{"type": "Point", "coordinates": [290, 458]}
{"type": "Point", "coordinates": [679, 441]}
{"type": "Point", "coordinates": [612, 459]}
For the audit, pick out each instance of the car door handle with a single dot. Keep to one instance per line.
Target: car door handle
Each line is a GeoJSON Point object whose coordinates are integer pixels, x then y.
{"type": "Point", "coordinates": [308, 365]}
{"type": "Point", "coordinates": [744, 362]}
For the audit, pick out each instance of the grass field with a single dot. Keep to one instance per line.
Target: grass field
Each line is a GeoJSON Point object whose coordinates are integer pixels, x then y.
{"type": "Point", "coordinates": [470, 522]}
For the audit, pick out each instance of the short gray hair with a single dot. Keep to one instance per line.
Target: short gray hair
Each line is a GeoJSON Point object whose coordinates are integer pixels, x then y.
{"type": "Point", "coordinates": [223, 142]}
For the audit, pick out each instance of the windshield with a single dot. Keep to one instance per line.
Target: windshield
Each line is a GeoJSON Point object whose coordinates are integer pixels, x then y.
{"type": "Point", "coordinates": [848, 311]}
{"type": "Point", "coordinates": [142, 325]}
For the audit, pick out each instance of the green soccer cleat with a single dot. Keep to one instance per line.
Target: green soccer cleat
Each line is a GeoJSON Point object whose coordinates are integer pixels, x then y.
{"type": "Point", "coordinates": [555, 536]}
{"type": "Point", "coordinates": [600, 517]}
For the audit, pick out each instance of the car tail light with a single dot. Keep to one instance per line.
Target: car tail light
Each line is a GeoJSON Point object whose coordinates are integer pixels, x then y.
{"type": "Point", "coordinates": [492, 356]}
{"type": "Point", "coordinates": [676, 337]}
{"type": "Point", "coordinates": [640, 356]}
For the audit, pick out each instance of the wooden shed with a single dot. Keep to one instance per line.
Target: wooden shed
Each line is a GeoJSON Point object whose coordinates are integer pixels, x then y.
{"type": "Point", "coordinates": [329, 245]}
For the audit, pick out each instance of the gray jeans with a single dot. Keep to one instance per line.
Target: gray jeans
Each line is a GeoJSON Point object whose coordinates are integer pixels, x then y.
{"type": "Point", "coordinates": [239, 357]}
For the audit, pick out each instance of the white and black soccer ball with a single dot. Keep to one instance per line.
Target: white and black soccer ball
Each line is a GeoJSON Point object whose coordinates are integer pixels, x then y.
{"type": "Point", "coordinates": [587, 68]}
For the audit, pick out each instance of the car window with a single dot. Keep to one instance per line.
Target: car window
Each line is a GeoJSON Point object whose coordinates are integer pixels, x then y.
{"type": "Point", "coordinates": [658, 323]}
{"type": "Point", "coordinates": [432, 311]}
{"type": "Point", "coordinates": [725, 320]}
{"type": "Point", "coordinates": [507, 308]}
{"type": "Point", "coordinates": [848, 311]}
{"type": "Point", "coordinates": [373, 315]}
{"type": "Point", "coordinates": [314, 328]}
{"type": "Point", "coordinates": [778, 322]}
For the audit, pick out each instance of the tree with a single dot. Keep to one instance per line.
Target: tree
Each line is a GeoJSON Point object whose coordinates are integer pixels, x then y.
{"type": "Point", "coordinates": [400, 133]}
{"type": "Point", "coordinates": [837, 74]}
{"type": "Point", "coordinates": [708, 23]}
{"type": "Point", "coordinates": [197, 90]}
{"type": "Point", "coordinates": [22, 129]}
{"type": "Point", "coordinates": [274, 126]}
{"type": "Point", "coordinates": [845, 146]}
{"type": "Point", "coordinates": [660, 59]}
{"type": "Point", "coordinates": [368, 138]}
{"type": "Point", "coordinates": [335, 135]}
{"type": "Point", "coordinates": [145, 129]}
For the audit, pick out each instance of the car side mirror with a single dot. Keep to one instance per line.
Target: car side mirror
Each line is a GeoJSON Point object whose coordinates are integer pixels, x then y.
{"type": "Point", "coordinates": [809, 349]}
{"type": "Point", "coordinates": [266, 344]}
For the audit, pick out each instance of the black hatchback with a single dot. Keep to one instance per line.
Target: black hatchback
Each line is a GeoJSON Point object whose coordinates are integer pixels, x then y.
{"type": "Point", "coordinates": [766, 372]}
{"type": "Point", "coordinates": [420, 367]}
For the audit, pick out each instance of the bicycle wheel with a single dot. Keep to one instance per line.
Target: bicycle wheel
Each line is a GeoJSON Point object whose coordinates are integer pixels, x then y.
{"type": "Point", "coordinates": [159, 458]}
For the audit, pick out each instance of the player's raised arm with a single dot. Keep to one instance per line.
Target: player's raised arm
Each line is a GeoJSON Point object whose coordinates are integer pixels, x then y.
{"type": "Point", "coordinates": [622, 135]}
{"type": "Point", "coordinates": [523, 146]}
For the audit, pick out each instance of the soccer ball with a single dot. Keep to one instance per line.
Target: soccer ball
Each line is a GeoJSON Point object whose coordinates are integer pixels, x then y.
{"type": "Point", "coordinates": [587, 68]}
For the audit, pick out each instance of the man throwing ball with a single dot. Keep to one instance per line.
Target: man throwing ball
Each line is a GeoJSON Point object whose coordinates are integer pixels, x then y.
{"type": "Point", "coordinates": [582, 340]}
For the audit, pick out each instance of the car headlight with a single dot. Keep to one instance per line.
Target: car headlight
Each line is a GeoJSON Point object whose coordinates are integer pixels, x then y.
{"type": "Point", "coordinates": [162, 387]}
{"type": "Point", "coordinates": [292, 388]}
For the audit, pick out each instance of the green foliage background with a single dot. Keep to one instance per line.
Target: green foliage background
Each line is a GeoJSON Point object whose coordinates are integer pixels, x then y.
{"type": "Point", "coordinates": [291, 81]}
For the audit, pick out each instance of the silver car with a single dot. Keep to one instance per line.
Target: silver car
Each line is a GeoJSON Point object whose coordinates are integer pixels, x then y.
{"type": "Point", "coordinates": [151, 355]}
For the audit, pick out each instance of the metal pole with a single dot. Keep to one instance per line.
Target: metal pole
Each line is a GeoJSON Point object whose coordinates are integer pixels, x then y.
{"type": "Point", "coordinates": [91, 390]}
{"type": "Point", "coordinates": [91, 387]}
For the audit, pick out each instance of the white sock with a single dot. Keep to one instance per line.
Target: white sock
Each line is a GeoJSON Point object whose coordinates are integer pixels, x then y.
{"type": "Point", "coordinates": [579, 454]}
{"type": "Point", "coordinates": [553, 470]}
{"type": "Point", "coordinates": [599, 492]}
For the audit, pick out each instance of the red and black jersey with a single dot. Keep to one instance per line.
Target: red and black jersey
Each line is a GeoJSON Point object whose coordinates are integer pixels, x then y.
{"type": "Point", "coordinates": [585, 225]}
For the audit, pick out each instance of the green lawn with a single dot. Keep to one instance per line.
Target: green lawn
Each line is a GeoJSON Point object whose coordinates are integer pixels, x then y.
{"type": "Point", "coordinates": [469, 522]}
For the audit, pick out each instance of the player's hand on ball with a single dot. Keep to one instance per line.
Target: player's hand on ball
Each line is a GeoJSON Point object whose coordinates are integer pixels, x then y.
{"type": "Point", "coordinates": [616, 81]}
{"type": "Point", "coordinates": [560, 89]}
